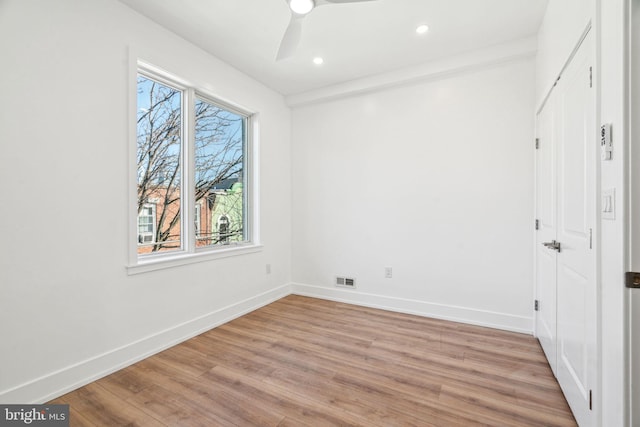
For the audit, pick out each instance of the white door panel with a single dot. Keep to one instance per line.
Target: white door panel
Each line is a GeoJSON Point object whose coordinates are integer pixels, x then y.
{"type": "Point", "coordinates": [573, 321]}
{"type": "Point", "coordinates": [565, 209]}
{"type": "Point", "coordinates": [546, 216]}
{"type": "Point", "coordinates": [576, 308]}
{"type": "Point", "coordinates": [546, 295]}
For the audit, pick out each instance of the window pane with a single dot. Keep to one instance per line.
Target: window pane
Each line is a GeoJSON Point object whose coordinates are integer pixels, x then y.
{"type": "Point", "coordinates": [159, 170]}
{"type": "Point", "coordinates": [219, 174]}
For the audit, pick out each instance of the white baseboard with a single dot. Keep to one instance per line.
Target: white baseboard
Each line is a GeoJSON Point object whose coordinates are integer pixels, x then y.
{"type": "Point", "coordinates": [508, 322]}
{"type": "Point", "coordinates": [57, 383]}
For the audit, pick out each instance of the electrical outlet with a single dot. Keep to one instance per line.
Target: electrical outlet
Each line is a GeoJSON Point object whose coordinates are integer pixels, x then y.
{"type": "Point", "coordinates": [268, 269]}
{"type": "Point", "coordinates": [388, 272]}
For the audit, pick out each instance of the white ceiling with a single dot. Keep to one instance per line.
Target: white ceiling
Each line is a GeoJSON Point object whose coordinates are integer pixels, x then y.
{"type": "Point", "coordinates": [356, 40]}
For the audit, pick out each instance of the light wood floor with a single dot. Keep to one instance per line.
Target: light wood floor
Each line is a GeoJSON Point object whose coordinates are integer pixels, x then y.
{"type": "Point", "coordinates": [309, 362]}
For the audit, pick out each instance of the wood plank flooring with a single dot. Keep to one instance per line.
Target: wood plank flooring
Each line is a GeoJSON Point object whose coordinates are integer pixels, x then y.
{"type": "Point", "coordinates": [309, 362]}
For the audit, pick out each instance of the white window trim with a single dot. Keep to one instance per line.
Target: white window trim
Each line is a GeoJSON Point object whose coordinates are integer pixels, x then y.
{"type": "Point", "coordinates": [137, 264]}
{"type": "Point", "coordinates": [163, 261]}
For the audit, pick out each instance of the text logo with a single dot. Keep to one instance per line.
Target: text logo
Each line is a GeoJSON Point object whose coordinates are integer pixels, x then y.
{"type": "Point", "coordinates": [34, 415]}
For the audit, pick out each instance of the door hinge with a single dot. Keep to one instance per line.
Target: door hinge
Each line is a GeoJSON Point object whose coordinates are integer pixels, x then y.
{"type": "Point", "coordinates": [536, 305]}
{"type": "Point", "coordinates": [590, 76]}
{"type": "Point", "coordinates": [632, 280]}
{"type": "Point", "coordinates": [591, 238]}
{"type": "Point", "coordinates": [537, 143]}
{"type": "Point", "coordinates": [537, 224]}
{"type": "Point", "coordinates": [591, 400]}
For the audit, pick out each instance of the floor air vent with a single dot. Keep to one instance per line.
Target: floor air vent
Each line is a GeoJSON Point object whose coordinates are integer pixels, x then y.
{"type": "Point", "coordinates": [345, 282]}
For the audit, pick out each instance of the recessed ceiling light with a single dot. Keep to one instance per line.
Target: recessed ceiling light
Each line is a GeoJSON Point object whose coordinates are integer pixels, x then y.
{"type": "Point", "coordinates": [301, 7]}
{"type": "Point", "coordinates": [422, 29]}
{"type": "Point", "coordinates": [318, 61]}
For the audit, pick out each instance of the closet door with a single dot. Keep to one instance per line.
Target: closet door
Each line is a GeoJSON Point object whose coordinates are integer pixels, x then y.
{"type": "Point", "coordinates": [577, 315]}
{"type": "Point", "coordinates": [566, 323]}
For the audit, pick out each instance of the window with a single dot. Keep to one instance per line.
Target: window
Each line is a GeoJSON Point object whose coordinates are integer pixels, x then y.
{"type": "Point", "coordinates": [159, 167]}
{"type": "Point", "coordinates": [219, 165]}
{"type": "Point", "coordinates": [192, 157]}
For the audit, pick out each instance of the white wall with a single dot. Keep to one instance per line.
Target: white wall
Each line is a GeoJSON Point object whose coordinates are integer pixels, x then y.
{"type": "Point", "coordinates": [68, 310]}
{"type": "Point", "coordinates": [561, 29]}
{"type": "Point", "coordinates": [434, 179]}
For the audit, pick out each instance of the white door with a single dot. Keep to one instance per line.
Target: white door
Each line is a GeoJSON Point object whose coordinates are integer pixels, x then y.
{"type": "Point", "coordinates": [565, 208]}
{"type": "Point", "coordinates": [576, 293]}
{"type": "Point", "coordinates": [546, 230]}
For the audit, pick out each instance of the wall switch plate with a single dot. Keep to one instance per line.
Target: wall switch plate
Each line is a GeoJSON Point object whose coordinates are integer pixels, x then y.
{"type": "Point", "coordinates": [609, 203]}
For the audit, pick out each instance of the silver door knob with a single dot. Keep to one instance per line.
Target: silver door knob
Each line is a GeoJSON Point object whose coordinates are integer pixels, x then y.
{"type": "Point", "coordinates": [552, 245]}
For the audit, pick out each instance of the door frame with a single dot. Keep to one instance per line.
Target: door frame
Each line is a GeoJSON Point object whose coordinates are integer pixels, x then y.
{"type": "Point", "coordinates": [633, 211]}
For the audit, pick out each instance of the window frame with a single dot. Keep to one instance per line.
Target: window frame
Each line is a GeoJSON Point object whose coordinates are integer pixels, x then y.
{"type": "Point", "coordinates": [189, 252]}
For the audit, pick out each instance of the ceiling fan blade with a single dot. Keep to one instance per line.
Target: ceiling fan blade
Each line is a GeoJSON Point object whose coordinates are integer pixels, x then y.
{"type": "Point", "coordinates": [291, 37]}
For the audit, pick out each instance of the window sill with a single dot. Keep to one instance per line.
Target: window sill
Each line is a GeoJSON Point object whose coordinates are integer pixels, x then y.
{"type": "Point", "coordinates": [171, 261]}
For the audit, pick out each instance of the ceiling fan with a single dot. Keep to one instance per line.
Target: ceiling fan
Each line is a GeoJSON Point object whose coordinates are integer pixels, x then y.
{"type": "Point", "coordinates": [300, 9]}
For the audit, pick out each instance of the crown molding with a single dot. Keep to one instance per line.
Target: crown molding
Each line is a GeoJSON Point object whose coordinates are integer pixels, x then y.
{"type": "Point", "coordinates": [517, 50]}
